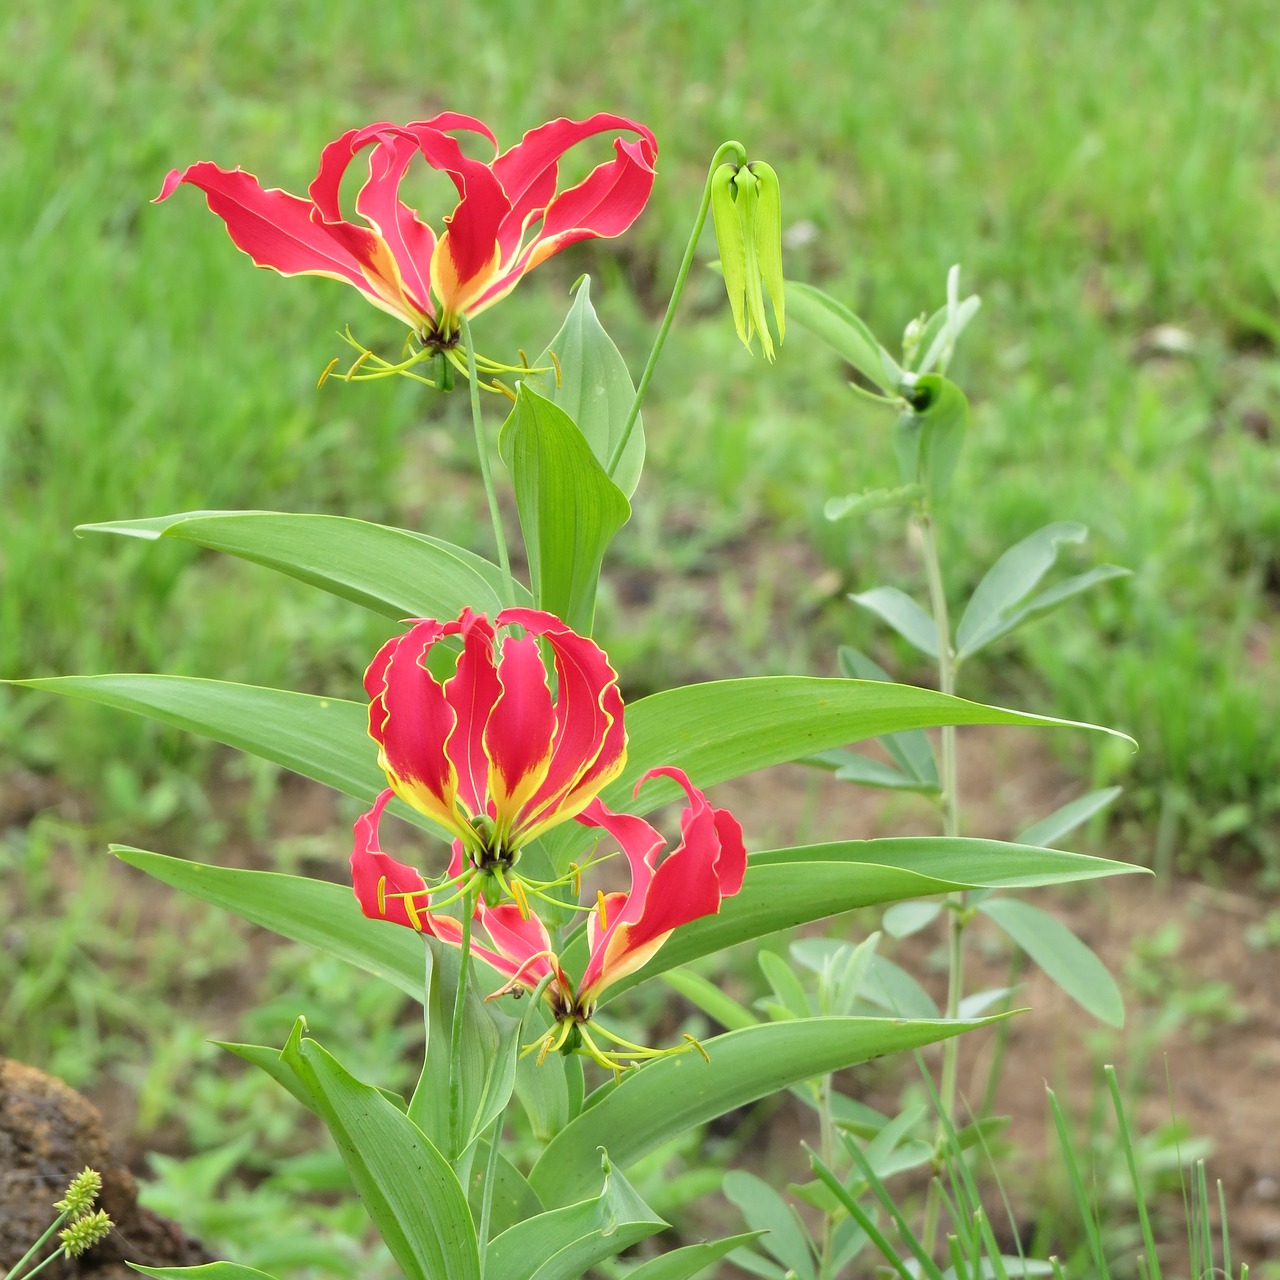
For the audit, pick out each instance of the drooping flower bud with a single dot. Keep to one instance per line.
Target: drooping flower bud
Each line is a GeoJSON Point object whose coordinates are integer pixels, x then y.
{"type": "Point", "coordinates": [746, 203]}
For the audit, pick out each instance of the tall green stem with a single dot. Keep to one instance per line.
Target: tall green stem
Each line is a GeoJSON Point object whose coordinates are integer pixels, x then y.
{"type": "Point", "coordinates": [455, 1040]}
{"type": "Point", "coordinates": [486, 473]}
{"type": "Point", "coordinates": [723, 152]}
{"type": "Point", "coordinates": [951, 828]}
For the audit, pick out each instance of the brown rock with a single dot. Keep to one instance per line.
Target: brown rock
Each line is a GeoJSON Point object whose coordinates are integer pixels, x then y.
{"type": "Point", "coordinates": [48, 1133]}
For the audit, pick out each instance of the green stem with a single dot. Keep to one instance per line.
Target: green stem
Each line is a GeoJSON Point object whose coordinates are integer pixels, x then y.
{"type": "Point", "coordinates": [827, 1126]}
{"type": "Point", "coordinates": [455, 1039]}
{"type": "Point", "coordinates": [486, 473]}
{"type": "Point", "coordinates": [723, 152]}
{"type": "Point", "coordinates": [35, 1248]}
{"type": "Point", "coordinates": [957, 902]}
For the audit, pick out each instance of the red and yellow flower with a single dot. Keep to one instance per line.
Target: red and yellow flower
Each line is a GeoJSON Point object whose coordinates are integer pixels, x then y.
{"type": "Point", "coordinates": [489, 754]}
{"type": "Point", "coordinates": [495, 759]}
{"type": "Point", "coordinates": [510, 214]}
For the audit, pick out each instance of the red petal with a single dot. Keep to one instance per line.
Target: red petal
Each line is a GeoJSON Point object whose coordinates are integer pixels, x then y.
{"type": "Point", "coordinates": [471, 692]}
{"type": "Point", "coordinates": [523, 945]}
{"type": "Point", "coordinates": [589, 746]}
{"type": "Point", "coordinates": [519, 734]}
{"type": "Point", "coordinates": [377, 876]}
{"type": "Point", "coordinates": [707, 866]}
{"type": "Point", "coordinates": [274, 228]}
{"type": "Point", "coordinates": [416, 723]}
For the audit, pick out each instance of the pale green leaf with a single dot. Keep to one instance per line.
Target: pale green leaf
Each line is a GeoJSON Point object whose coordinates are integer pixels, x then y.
{"type": "Point", "coordinates": [391, 571]}
{"type": "Point", "coordinates": [846, 334]}
{"type": "Point", "coordinates": [1061, 822]}
{"type": "Point", "coordinates": [569, 508]}
{"type": "Point", "coordinates": [902, 613]}
{"type": "Point", "coordinates": [564, 1243]}
{"type": "Point", "coordinates": [592, 385]}
{"type": "Point", "coordinates": [1063, 957]}
{"type": "Point", "coordinates": [763, 1209]}
{"type": "Point", "coordinates": [673, 1094]}
{"type": "Point", "coordinates": [407, 1186]}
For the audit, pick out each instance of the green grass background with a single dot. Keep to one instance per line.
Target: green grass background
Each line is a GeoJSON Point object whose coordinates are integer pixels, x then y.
{"type": "Point", "coordinates": [1101, 172]}
{"type": "Point", "coordinates": [1098, 171]}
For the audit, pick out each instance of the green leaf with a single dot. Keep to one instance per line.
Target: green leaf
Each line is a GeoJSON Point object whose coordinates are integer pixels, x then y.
{"type": "Point", "coordinates": [321, 738]}
{"type": "Point", "coordinates": [705, 995]}
{"type": "Point", "coordinates": [788, 887]}
{"type": "Point", "coordinates": [490, 1040]}
{"type": "Point", "coordinates": [511, 1200]}
{"type": "Point", "coordinates": [928, 437]}
{"type": "Point", "coordinates": [684, 1263]}
{"type": "Point", "coordinates": [410, 1191]}
{"type": "Point", "coordinates": [569, 508]}
{"type": "Point", "coordinates": [1061, 822]}
{"type": "Point", "coordinates": [390, 571]}
{"type": "Point", "coordinates": [861, 504]}
{"type": "Point", "coordinates": [763, 1209]}
{"type": "Point", "coordinates": [911, 751]}
{"type": "Point", "coordinates": [938, 341]}
{"type": "Point", "coordinates": [1063, 957]}
{"type": "Point", "coordinates": [725, 728]}
{"type": "Point", "coordinates": [846, 334]}
{"type": "Point", "coordinates": [592, 385]}
{"type": "Point", "coordinates": [902, 613]}
{"type": "Point", "coordinates": [905, 918]}
{"type": "Point", "coordinates": [206, 1271]}
{"type": "Point", "coordinates": [1049, 600]}
{"type": "Point", "coordinates": [564, 1243]}
{"type": "Point", "coordinates": [322, 915]}
{"type": "Point", "coordinates": [673, 1094]}
{"type": "Point", "coordinates": [1009, 581]}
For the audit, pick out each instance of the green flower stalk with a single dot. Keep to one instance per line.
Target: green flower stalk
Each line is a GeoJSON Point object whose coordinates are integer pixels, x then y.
{"type": "Point", "coordinates": [84, 1226]}
{"type": "Point", "coordinates": [746, 203]}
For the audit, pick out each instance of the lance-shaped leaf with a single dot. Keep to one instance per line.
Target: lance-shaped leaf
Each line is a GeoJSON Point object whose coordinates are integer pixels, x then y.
{"type": "Point", "coordinates": [783, 887]}
{"type": "Point", "coordinates": [763, 1209]}
{"type": "Point", "coordinates": [411, 1193]}
{"type": "Point", "coordinates": [913, 767]}
{"type": "Point", "coordinates": [1063, 957]}
{"type": "Point", "coordinates": [902, 613]}
{"type": "Point", "coordinates": [391, 571]}
{"type": "Point", "coordinates": [788, 887]}
{"type": "Point", "coordinates": [1061, 822]}
{"type": "Point", "coordinates": [684, 1263]}
{"type": "Point", "coordinates": [590, 382]}
{"type": "Point", "coordinates": [845, 334]}
{"type": "Point", "coordinates": [725, 728]}
{"type": "Point", "coordinates": [569, 508]}
{"type": "Point", "coordinates": [564, 1243]}
{"type": "Point", "coordinates": [997, 604]}
{"type": "Point", "coordinates": [671, 1095]}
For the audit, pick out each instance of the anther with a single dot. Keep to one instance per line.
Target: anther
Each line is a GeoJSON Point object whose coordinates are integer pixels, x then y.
{"type": "Point", "coordinates": [556, 363]}
{"type": "Point", "coordinates": [382, 895]}
{"type": "Point", "coordinates": [328, 369]}
{"type": "Point", "coordinates": [600, 908]}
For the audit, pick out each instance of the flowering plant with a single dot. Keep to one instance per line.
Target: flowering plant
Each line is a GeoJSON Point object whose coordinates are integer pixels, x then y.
{"type": "Point", "coordinates": [508, 739]}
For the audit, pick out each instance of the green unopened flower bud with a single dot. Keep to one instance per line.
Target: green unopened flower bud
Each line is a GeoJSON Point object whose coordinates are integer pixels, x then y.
{"type": "Point", "coordinates": [81, 1193]}
{"type": "Point", "coordinates": [746, 203]}
{"type": "Point", "coordinates": [85, 1232]}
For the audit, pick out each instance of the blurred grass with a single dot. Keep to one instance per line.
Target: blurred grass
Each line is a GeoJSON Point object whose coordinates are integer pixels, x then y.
{"type": "Point", "coordinates": [1100, 171]}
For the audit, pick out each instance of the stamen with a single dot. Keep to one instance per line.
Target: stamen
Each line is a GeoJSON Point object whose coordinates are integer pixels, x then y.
{"type": "Point", "coordinates": [495, 385]}
{"type": "Point", "coordinates": [576, 872]}
{"type": "Point", "coordinates": [697, 1044]}
{"type": "Point", "coordinates": [517, 892]}
{"type": "Point", "coordinates": [355, 368]}
{"type": "Point", "coordinates": [600, 908]}
{"type": "Point", "coordinates": [412, 911]}
{"type": "Point", "coordinates": [382, 895]}
{"type": "Point", "coordinates": [328, 369]}
{"type": "Point", "coordinates": [556, 364]}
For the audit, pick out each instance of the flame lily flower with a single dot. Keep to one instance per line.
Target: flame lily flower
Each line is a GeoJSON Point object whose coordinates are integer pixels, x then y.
{"type": "Point", "coordinates": [509, 218]}
{"type": "Point", "coordinates": [489, 754]}
{"type": "Point", "coordinates": [626, 929]}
